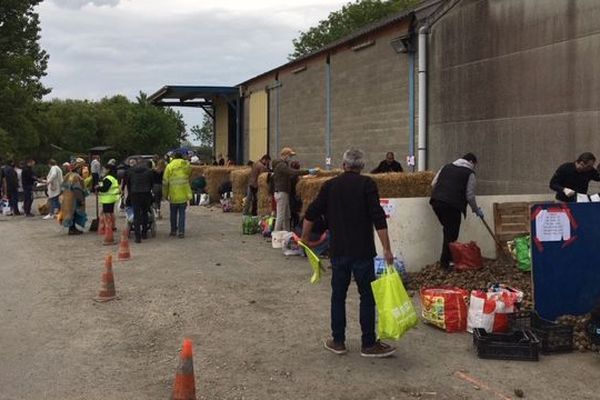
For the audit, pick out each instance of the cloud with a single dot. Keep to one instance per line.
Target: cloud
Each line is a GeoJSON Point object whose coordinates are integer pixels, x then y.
{"type": "Point", "coordinates": [131, 46]}
{"type": "Point", "coordinates": [76, 4]}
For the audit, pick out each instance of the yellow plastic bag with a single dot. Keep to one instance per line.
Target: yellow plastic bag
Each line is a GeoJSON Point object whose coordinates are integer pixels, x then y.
{"type": "Point", "coordinates": [315, 263]}
{"type": "Point", "coordinates": [395, 310]}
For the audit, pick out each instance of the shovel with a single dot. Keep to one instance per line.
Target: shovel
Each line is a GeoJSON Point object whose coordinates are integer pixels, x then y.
{"type": "Point", "coordinates": [504, 252]}
{"type": "Point", "coordinates": [94, 224]}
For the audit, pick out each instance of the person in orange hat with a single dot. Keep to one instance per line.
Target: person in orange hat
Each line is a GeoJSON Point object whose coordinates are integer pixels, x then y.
{"type": "Point", "coordinates": [282, 182]}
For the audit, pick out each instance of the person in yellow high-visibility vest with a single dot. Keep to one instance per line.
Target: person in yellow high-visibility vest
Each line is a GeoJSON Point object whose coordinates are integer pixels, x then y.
{"type": "Point", "coordinates": [108, 194]}
{"type": "Point", "coordinates": [177, 190]}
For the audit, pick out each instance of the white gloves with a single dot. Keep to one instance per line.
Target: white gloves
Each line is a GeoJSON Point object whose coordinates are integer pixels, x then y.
{"type": "Point", "coordinates": [569, 192]}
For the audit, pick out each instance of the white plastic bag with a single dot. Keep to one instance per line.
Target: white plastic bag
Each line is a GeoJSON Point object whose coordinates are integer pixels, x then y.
{"type": "Point", "coordinates": [5, 207]}
{"type": "Point", "coordinates": [290, 247]}
{"type": "Point", "coordinates": [277, 239]}
{"type": "Point", "coordinates": [204, 199]}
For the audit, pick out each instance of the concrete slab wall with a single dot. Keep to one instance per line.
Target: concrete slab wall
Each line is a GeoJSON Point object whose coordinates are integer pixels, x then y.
{"type": "Point", "coordinates": [416, 232]}
{"type": "Point", "coordinates": [370, 101]}
{"type": "Point", "coordinates": [515, 82]}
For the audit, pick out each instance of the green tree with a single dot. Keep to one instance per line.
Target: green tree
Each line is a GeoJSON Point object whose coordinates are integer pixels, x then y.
{"type": "Point", "coordinates": [22, 65]}
{"type": "Point", "coordinates": [340, 23]}
{"type": "Point", "coordinates": [205, 133]}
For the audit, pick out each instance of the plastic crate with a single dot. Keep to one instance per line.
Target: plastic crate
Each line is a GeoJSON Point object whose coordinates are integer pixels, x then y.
{"type": "Point", "coordinates": [519, 345]}
{"type": "Point", "coordinates": [554, 338]}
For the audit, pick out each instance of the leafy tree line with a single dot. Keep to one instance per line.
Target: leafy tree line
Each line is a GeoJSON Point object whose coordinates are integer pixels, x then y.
{"type": "Point", "coordinates": [30, 127]}
{"type": "Point", "coordinates": [352, 16]}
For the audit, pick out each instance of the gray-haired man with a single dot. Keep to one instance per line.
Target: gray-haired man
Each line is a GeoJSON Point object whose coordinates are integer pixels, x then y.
{"type": "Point", "coordinates": [350, 202]}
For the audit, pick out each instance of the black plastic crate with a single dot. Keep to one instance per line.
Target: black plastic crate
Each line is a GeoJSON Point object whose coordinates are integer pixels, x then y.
{"type": "Point", "coordinates": [554, 337]}
{"type": "Point", "coordinates": [520, 345]}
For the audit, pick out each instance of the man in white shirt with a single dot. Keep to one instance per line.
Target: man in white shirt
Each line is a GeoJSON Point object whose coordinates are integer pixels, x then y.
{"type": "Point", "coordinates": [54, 182]}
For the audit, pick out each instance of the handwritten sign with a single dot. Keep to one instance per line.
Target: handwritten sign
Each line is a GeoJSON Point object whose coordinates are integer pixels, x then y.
{"type": "Point", "coordinates": [552, 226]}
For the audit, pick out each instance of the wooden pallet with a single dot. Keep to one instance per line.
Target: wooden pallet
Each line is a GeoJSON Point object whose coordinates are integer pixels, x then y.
{"type": "Point", "coordinates": [511, 220]}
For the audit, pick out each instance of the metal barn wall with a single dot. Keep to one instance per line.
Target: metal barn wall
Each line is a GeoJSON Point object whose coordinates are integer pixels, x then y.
{"type": "Point", "coordinates": [517, 83]}
{"type": "Point", "coordinates": [221, 127]}
{"type": "Point", "coordinates": [258, 125]}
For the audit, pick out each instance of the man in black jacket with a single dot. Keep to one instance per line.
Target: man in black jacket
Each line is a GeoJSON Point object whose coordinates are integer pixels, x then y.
{"type": "Point", "coordinates": [574, 177]}
{"type": "Point", "coordinates": [139, 188]}
{"type": "Point", "coordinates": [350, 203]}
{"type": "Point", "coordinates": [11, 186]}
{"type": "Point", "coordinates": [453, 189]}
{"type": "Point", "coordinates": [388, 165]}
{"type": "Point", "coordinates": [29, 180]}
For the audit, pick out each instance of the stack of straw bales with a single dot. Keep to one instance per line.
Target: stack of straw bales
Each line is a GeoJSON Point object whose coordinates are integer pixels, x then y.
{"type": "Point", "coordinates": [215, 177]}
{"type": "Point", "coordinates": [264, 197]}
{"type": "Point", "coordinates": [198, 170]}
{"type": "Point", "coordinates": [239, 183]}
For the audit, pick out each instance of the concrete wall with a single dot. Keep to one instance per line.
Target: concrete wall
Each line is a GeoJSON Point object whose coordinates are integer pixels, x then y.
{"type": "Point", "coordinates": [416, 232]}
{"type": "Point", "coordinates": [369, 100]}
{"type": "Point", "coordinates": [515, 82]}
{"type": "Point", "coordinates": [302, 112]}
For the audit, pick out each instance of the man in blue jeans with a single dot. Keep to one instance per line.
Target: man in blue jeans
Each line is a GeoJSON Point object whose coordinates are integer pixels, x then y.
{"type": "Point", "coordinates": [177, 189]}
{"type": "Point", "coordinates": [350, 203]}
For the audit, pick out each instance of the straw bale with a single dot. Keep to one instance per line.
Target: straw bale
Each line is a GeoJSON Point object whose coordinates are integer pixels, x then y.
{"type": "Point", "coordinates": [391, 185]}
{"type": "Point", "coordinates": [215, 177]}
{"type": "Point", "coordinates": [264, 197]}
{"type": "Point", "coordinates": [239, 184]}
{"type": "Point", "coordinates": [198, 170]}
{"type": "Point", "coordinates": [403, 184]}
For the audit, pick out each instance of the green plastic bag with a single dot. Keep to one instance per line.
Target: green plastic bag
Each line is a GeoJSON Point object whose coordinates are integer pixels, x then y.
{"type": "Point", "coordinates": [395, 310]}
{"type": "Point", "coordinates": [523, 252]}
{"type": "Point", "coordinates": [315, 263]}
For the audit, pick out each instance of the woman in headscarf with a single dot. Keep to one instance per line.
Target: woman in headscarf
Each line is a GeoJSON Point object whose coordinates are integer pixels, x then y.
{"type": "Point", "coordinates": [73, 199]}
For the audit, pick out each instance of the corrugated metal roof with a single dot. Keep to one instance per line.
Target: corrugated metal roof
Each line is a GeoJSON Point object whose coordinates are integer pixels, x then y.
{"type": "Point", "coordinates": [372, 27]}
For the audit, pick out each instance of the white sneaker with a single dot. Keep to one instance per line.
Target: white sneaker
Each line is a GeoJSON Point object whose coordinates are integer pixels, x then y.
{"type": "Point", "coordinates": [49, 216]}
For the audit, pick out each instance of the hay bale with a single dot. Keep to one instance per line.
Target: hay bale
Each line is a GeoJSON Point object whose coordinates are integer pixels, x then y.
{"type": "Point", "coordinates": [215, 177]}
{"type": "Point", "coordinates": [391, 185]}
{"type": "Point", "coordinates": [264, 197]}
{"type": "Point", "coordinates": [403, 184]}
{"type": "Point", "coordinates": [239, 184]}
{"type": "Point", "coordinates": [198, 170]}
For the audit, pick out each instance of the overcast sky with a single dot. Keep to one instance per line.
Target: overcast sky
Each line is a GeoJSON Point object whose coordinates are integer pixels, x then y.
{"type": "Point", "coordinates": [101, 48]}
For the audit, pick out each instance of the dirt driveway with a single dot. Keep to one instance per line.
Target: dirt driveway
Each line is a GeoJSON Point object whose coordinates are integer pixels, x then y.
{"type": "Point", "coordinates": [256, 323]}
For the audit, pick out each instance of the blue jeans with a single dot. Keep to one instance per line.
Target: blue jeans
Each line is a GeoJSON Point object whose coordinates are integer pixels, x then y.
{"type": "Point", "coordinates": [178, 217]}
{"type": "Point", "coordinates": [54, 204]}
{"type": "Point", "coordinates": [364, 274]}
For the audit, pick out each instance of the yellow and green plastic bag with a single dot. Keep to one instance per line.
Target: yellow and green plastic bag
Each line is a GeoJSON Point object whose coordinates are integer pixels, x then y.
{"type": "Point", "coordinates": [315, 263]}
{"type": "Point", "coordinates": [395, 311]}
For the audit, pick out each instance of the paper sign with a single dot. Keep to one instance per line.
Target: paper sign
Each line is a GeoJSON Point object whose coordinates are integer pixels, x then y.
{"type": "Point", "coordinates": [552, 226]}
{"type": "Point", "coordinates": [410, 161]}
{"type": "Point", "coordinates": [595, 198]}
{"type": "Point", "coordinates": [388, 208]}
{"type": "Point", "coordinates": [583, 198]}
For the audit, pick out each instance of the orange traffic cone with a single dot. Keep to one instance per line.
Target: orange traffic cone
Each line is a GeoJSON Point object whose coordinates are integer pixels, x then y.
{"type": "Point", "coordinates": [107, 291]}
{"type": "Point", "coordinates": [102, 227]}
{"type": "Point", "coordinates": [184, 387]}
{"type": "Point", "coordinates": [109, 238]}
{"type": "Point", "coordinates": [124, 253]}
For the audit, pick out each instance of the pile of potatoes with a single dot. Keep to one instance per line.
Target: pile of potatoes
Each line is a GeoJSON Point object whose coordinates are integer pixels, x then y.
{"type": "Point", "coordinates": [581, 339]}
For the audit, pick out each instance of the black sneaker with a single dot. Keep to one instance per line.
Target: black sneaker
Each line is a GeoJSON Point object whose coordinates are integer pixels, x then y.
{"type": "Point", "coordinates": [334, 347]}
{"type": "Point", "coordinates": [173, 234]}
{"type": "Point", "coordinates": [378, 350]}
{"type": "Point", "coordinates": [181, 236]}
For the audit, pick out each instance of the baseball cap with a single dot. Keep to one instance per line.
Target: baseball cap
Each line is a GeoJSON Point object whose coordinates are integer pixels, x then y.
{"type": "Point", "coordinates": [287, 151]}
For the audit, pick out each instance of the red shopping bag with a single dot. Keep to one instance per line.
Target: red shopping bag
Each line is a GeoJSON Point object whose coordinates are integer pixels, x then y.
{"type": "Point", "coordinates": [445, 307]}
{"type": "Point", "coordinates": [466, 256]}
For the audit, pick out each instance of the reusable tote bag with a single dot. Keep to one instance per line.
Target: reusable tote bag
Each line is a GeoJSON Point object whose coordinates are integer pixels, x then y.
{"type": "Point", "coordinates": [395, 311]}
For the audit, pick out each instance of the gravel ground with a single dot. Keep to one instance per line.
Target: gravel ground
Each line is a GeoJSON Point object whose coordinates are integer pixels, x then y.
{"type": "Point", "coordinates": [256, 322]}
